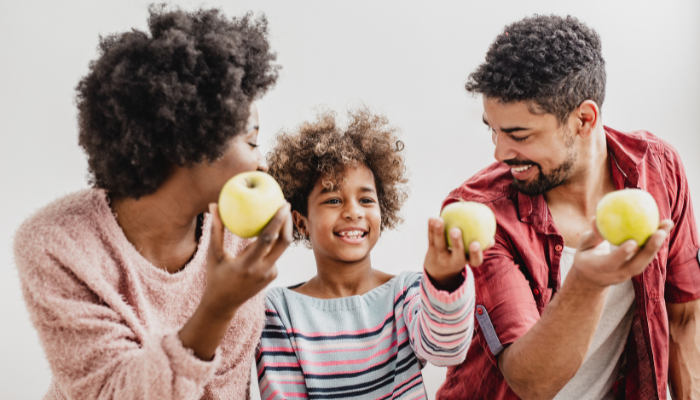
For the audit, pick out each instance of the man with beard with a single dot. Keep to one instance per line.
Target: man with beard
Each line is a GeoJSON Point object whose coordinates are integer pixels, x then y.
{"type": "Point", "coordinates": [560, 313]}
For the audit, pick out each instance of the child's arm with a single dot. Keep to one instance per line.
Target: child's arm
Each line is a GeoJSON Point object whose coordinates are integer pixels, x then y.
{"type": "Point", "coordinates": [440, 324]}
{"type": "Point", "coordinates": [279, 373]}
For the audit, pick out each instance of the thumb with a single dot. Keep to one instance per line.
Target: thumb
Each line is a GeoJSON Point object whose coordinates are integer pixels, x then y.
{"type": "Point", "coordinates": [590, 239]}
{"type": "Point", "coordinates": [216, 240]}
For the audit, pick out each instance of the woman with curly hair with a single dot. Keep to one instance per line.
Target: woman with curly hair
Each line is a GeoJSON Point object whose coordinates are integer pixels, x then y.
{"type": "Point", "coordinates": [353, 331]}
{"type": "Point", "coordinates": [137, 291]}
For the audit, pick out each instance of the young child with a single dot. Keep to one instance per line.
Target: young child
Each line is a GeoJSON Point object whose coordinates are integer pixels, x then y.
{"type": "Point", "coordinates": [352, 331]}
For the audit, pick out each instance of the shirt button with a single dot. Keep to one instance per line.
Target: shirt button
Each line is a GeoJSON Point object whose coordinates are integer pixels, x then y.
{"type": "Point", "coordinates": [479, 310]}
{"type": "Point", "coordinates": [558, 247]}
{"type": "Point", "coordinates": [536, 292]}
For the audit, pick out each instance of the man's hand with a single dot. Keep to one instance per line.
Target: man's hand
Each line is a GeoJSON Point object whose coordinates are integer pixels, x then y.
{"type": "Point", "coordinates": [232, 280]}
{"type": "Point", "coordinates": [444, 264]}
{"type": "Point", "coordinates": [621, 264]}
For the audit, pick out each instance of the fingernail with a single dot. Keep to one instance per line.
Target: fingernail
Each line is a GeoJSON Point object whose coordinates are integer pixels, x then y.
{"type": "Point", "coordinates": [475, 246]}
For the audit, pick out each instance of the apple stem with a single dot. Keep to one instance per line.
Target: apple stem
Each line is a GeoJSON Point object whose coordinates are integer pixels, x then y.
{"type": "Point", "coordinates": [248, 183]}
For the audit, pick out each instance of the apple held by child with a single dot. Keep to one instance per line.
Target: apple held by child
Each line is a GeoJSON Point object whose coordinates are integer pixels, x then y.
{"type": "Point", "coordinates": [475, 220]}
{"type": "Point", "coordinates": [627, 214]}
{"type": "Point", "coordinates": [248, 201]}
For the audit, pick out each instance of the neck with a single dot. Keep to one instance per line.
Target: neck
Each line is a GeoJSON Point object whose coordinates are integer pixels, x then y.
{"type": "Point", "coordinates": [590, 181]}
{"type": "Point", "coordinates": [335, 279]}
{"type": "Point", "coordinates": [162, 226]}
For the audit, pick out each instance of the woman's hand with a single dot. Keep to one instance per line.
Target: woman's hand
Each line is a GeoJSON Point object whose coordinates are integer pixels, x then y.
{"type": "Point", "coordinates": [445, 265]}
{"type": "Point", "coordinates": [232, 280]}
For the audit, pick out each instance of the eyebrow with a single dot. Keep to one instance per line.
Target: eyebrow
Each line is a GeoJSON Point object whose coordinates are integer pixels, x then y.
{"type": "Point", "coordinates": [363, 189]}
{"type": "Point", "coordinates": [505, 130]}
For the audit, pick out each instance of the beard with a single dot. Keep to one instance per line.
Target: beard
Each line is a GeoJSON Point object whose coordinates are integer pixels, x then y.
{"type": "Point", "coordinates": [545, 182]}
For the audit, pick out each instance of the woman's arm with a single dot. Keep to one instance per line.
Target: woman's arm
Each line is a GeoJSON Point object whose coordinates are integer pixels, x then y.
{"type": "Point", "coordinates": [96, 352]}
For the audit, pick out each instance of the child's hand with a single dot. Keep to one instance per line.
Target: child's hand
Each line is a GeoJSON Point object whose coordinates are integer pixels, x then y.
{"type": "Point", "coordinates": [443, 264]}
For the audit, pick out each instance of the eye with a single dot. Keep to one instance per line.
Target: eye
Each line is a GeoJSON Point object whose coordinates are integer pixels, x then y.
{"type": "Point", "coordinates": [332, 201]}
{"type": "Point", "coordinates": [254, 145]}
{"type": "Point", "coordinates": [367, 201]}
{"type": "Point", "coordinates": [519, 139]}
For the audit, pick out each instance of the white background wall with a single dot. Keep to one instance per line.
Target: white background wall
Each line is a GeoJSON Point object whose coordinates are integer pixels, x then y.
{"type": "Point", "coordinates": [408, 60]}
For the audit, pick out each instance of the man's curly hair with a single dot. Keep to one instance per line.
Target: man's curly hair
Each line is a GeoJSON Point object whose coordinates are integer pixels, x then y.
{"type": "Point", "coordinates": [555, 62]}
{"type": "Point", "coordinates": [173, 96]}
{"type": "Point", "coordinates": [323, 150]}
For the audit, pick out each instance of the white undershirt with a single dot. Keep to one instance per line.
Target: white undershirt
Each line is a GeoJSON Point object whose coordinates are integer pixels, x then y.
{"type": "Point", "coordinates": [595, 378]}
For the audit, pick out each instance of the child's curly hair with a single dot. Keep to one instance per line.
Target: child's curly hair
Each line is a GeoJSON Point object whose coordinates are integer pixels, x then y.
{"type": "Point", "coordinates": [323, 149]}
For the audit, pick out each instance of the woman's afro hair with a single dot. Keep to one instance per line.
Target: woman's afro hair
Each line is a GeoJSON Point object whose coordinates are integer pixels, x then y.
{"type": "Point", "coordinates": [173, 96]}
{"type": "Point", "coordinates": [323, 150]}
{"type": "Point", "coordinates": [555, 62]}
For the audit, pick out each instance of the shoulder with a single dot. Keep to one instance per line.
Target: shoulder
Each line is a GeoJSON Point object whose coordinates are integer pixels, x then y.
{"type": "Point", "coordinates": [64, 221]}
{"type": "Point", "coordinates": [486, 186]}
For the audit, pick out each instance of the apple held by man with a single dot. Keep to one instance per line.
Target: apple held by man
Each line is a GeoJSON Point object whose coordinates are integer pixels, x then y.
{"type": "Point", "coordinates": [248, 201]}
{"type": "Point", "coordinates": [627, 214]}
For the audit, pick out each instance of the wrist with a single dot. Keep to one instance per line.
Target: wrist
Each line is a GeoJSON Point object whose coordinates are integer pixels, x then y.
{"type": "Point", "coordinates": [213, 309]}
{"type": "Point", "coordinates": [580, 282]}
{"type": "Point", "coordinates": [446, 282]}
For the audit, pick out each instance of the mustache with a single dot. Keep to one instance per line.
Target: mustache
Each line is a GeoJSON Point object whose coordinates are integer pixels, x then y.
{"type": "Point", "coordinates": [515, 162]}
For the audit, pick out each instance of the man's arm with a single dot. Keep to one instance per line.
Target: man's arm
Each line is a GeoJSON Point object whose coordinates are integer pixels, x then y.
{"type": "Point", "coordinates": [541, 362]}
{"type": "Point", "coordinates": [684, 349]}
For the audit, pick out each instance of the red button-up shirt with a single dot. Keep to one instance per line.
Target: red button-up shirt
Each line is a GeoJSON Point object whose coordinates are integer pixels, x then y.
{"type": "Point", "coordinates": [520, 274]}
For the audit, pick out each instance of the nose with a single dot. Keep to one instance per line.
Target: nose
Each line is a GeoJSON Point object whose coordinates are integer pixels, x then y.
{"type": "Point", "coordinates": [503, 150]}
{"type": "Point", "coordinates": [353, 211]}
{"type": "Point", "coordinates": [262, 163]}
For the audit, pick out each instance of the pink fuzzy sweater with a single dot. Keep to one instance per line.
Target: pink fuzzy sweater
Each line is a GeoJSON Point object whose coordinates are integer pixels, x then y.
{"type": "Point", "coordinates": [108, 319]}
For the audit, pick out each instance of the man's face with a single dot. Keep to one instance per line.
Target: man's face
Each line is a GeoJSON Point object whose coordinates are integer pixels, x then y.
{"type": "Point", "coordinates": [540, 151]}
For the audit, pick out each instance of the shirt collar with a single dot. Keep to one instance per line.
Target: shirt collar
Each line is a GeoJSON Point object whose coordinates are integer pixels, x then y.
{"type": "Point", "coordinates": [627, 152]}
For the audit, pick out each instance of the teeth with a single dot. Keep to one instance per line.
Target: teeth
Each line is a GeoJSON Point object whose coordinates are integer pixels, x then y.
{"type": "Point", "coordinates": [521, 169]}
{"type": "Point", "coordinates": [351, 234]}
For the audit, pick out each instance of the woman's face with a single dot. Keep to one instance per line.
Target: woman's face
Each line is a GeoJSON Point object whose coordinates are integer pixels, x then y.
{"type": "Point", "coordinates": [344, 224]}
{"type": "Point", "coordinates": [242, 155]}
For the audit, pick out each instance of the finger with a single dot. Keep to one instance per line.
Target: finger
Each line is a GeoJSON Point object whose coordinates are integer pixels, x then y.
{"type": "Point", "coordinates": [639, 261]}
{"type": "Point", "coordinates": [458, 256]}
{"type": "Point", "coordinates": [476, 256]}
{"type": "Point", "coordinates": [431, 235]}
{"type": "Point", "coordinates": [270, 234]}
{"type": "Point", "coordinates": [216, 240]}
{"type": "Point", "coordinates": [282, 242]}
{"type": "Point", "coordinates": [439, 237]}
{"type": "Point", "coordinates": [590, 239]}
{"type": "Point", "coordinates": [666, 225]}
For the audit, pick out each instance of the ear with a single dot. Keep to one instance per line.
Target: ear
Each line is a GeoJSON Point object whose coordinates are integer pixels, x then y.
{"type": "Point", "coordinates": [300, 222]}
{"type": "Point", "coordinates": [587, 118]}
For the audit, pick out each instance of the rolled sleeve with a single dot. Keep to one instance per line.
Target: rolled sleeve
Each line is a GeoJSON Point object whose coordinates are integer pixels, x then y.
{"type": "Point", "coordinates": [683, 267]}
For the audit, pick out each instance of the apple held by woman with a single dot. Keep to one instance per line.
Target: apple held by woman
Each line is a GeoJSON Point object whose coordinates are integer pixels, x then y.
{"type": "Point", "coordinates": [475, 220]}
{"type": "Point", "coordinates": [248, 201]}
{"type": "Point", "coordinates": [627, 214]}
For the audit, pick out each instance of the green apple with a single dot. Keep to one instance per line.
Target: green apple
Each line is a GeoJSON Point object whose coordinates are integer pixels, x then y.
{"type": "Point", "coordinates": [248, 201]}
{"type": "Point", "coordinates": [475, 220]}
{"type": "Point", "coordinates": [627, 214]}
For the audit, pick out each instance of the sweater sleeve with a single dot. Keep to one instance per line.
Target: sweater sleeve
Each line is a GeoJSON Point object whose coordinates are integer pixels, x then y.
{"type": "Point", "coordinates": [92, 351]}
{"type": "Point", "coordinates": [279, 373]}
{"type": "Point", "coordinates": [440, 324]}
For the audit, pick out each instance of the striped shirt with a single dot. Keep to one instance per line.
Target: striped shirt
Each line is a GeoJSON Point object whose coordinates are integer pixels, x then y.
{"type": "Point", "coordinates": [363, 347]}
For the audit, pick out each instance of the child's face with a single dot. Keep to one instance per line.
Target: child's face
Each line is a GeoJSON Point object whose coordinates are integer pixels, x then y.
{"type": "Point", "coordinates": [343, 225]}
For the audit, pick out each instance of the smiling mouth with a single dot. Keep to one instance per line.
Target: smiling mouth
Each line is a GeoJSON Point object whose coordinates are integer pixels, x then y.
{"type": "Point", "coordinates": [521, 168]}
{"type": "Point", "coordinates": [356, 234]}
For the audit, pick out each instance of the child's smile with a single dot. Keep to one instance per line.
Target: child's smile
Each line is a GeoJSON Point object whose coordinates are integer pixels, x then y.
{"type": "Point", "coordinates": [352, 235]}
{"type": "Point", "coordinates": [343, 221]}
